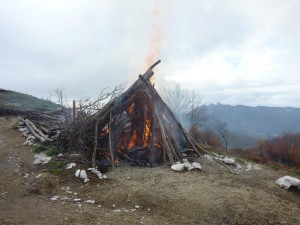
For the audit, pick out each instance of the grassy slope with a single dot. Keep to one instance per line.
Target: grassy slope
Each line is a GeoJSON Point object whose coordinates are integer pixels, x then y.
{"type": "Point", "coordinates": [10, 100]}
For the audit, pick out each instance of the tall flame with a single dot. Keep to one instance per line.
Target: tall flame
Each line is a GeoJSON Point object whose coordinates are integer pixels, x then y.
{"type": "Point", "coordinates": [156, 39]}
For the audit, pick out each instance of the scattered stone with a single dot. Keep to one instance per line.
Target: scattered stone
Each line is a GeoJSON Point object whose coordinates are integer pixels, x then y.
{"type": "Point", "coordinates": [77, 200]}
{"type": "Point", "coordinates": [288, 181]}
{"type": "Point", "coordinates": [178, 167]}
{"type": "Point", "coordinates": [196, 165]}
{"type": "Point", "coordinates": [77, 173]}
{"type": "Point", "coordinates": [82, 174]}
{"type": "Point", "coordinates": [65, 198]}
{"type": "Point", "coordinates": [41, 158]}
{"type": "Point", "coordinates": [90, 201]}
{"type": "Point", "coordinates": [228, 161]}
{"type": "Point", "coordinates": [187, 164]}
{"type": "Point", "coordinates": [28, 142]}
{"type": "Point", "coordinates": [38, 176]}
{"type": "Point", "coordinates": [137, 206]}
{"type": "Point", "coordinates": [54, 198]}
{"type": "Point", "coordinates": [208, 157]}
{"type": "Point", "coordinates": [121, 210]}
{"type": "Point", "coordinates": [95, 171]}
{"type": "Point", "coordinates": [65, 188]}
{"type": "Point", "coordinates": [238, 168]}
{"type": "Point", "coordinates": [70, 166]}
{"type": "Point", "coordinates": [251, 167]}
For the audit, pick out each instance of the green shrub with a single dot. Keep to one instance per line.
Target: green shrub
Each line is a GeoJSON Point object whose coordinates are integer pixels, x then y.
{"type": "Point", "coordinates": [53, 150]}
{"type": "Point", "coordinates": [38, 148]}
{"type": "Point", "coordinates": [57, 167]}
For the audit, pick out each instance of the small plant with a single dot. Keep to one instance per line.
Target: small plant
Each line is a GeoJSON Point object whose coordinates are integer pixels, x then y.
{"type": "Point", "coordinates": [38, 148]}
{"type": "Point", "coordinates": [53, 150]}
{"type": "Point", "coordinates": [57, 167]}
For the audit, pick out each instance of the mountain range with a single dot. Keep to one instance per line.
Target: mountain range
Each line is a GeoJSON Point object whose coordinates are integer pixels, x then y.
{"type": "Point", "coordinates": [252, 123]}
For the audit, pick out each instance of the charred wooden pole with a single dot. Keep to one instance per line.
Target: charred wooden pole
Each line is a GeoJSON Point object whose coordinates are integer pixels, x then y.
{"type": "Point", "coordinates": [74, 109]}
{"type": "Point", "coordinates": [95, 144]}
{"type": "Point", "coordinates": [149, 73]}
{"type": "Point", "coordinates": [110, 144]}
{"type": "Point", "coordinates": [164, 138]}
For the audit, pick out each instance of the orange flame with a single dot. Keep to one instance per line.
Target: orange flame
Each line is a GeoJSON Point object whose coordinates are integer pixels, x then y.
{"type": "Point", "coordinates": [117, 161]}
{"type": "Point", "coordinates": [147, 132]}
{"type": "Point", "coordinates": [131, 108]}
{"type": "Point", "coordinates": [155, 42]}
{"type": "Point", "coordinates": [132, 140]}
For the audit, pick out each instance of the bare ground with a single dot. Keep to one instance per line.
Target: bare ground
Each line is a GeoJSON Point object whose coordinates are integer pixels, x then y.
{"type": "Point", "coordinates": [134, 195]}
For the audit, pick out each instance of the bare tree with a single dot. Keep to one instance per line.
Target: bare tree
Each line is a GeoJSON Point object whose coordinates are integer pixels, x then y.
{"type": "Point", "coordinates": [225, 134]}
{"type": "Point", "coordinates": [186, 104]}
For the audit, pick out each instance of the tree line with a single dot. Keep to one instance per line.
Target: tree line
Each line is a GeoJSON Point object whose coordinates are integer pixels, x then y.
{"type": "Point", "coordinates": [284, 149]}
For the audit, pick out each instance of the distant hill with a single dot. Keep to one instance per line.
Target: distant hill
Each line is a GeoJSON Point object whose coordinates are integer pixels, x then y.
{"type": "Point", "coordinates": [252, 123]}
{"type": "Point", "coordinates": [15, 101]}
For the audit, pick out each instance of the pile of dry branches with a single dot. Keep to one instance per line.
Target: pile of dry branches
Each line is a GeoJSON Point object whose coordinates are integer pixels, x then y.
{"type": "Point", "coordinates": [70, 130]}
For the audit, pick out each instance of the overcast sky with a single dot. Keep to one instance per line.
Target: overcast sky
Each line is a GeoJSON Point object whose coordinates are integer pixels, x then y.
{"type": "Point", "coordinates": [232, 52]}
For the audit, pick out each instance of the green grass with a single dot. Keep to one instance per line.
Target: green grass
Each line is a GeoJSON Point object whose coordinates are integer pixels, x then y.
{"type": "Point", "coordinates": [49, 151]}
{"type": "Point", "coordinates": [57, 167]}
{"type": "Point", "coordinates": [53, 150]}
{"type": "Point", "coordinates": [38, 148]}
{"type": "Point", "coordinates": [23, 102]}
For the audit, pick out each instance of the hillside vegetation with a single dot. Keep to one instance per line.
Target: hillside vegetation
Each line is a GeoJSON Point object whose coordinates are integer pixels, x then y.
{"type": "Point", "coordinates": [14, 101]}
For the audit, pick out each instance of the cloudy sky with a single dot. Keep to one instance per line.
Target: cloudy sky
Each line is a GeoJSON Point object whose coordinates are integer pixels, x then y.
{"type": "Point", "coordinates": [232, 52]}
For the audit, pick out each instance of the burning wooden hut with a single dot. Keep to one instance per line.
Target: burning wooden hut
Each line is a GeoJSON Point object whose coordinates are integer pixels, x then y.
{"type": "Point", "coordinates": [139, 127]}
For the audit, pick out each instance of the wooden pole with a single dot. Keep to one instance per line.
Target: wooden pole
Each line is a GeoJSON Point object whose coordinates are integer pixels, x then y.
{"type": "Point", "coordinates": [74, 110]}
{"type": "Point", "coordinates": [95, 145]}
{"type": "Point", "coordinates": [164, 139]}
{"type": "Point", "coordinates": [110, 144]}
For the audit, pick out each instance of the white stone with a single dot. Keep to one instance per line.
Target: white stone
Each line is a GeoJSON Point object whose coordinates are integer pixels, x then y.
{"type": "Point", "coordinates": [187, 164]}
{"type": "Point", "coordinates": [70, 166]}
{"type": "Point", "coordinates": [250, 167]}
{"type": "Point", "coordinates": [178, 167]}
{"type": "Point", "coordinates": [288, 181]}
{"type": "Point", "coordinates": [95, 171]}
{"type": "Point", "coordinates": [41, 158]}
{"type": "Point", "coordinates": [86, 180]}
{"type": "Point", "coordinates": [229, 161]}
{"type": "Point", "coordinates": [90, 201]}
{"type": "Point", "coordinates": [83, 174]}
{"type": "Point", "coordinates": [196, 165]}
{"type": "Point", "coordinates": [54, 198]}
{"type": "Point", "coordinates": [208, 157]}
{"type": "Point", "coordinates": [77, 173]}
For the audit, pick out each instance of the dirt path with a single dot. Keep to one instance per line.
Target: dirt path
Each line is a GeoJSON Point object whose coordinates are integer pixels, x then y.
{"type": "Point", "coordinates": [134, 195]}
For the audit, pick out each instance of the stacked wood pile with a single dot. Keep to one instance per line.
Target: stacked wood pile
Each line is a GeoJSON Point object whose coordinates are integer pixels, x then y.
{"type": "Point", "coordinates": [43, 127]}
